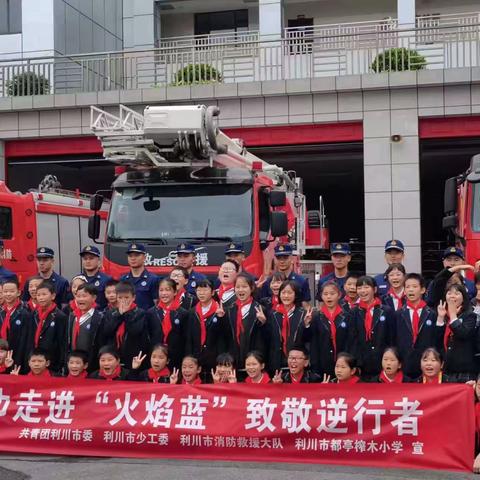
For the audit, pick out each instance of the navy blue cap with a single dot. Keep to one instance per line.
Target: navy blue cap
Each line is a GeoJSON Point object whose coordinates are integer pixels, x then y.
{"type": "Point", "coordinates": [234, 248]}
{"type": "Point", "coordinates": [185, 248]}
{"type": "Point", "coordinates": [453, 251]}
{"type": "Point", "coordinates": [91, 250]}
{"type": "Point", "coordinates": [283, 250]}
{"type": "Point", "coordinates": [45, 252]}
{"type": "Point", "coordinates": [394, 245]}
{"type": "Point", "coordinates": [136, 247]}
{"type": "Point", "coordinates": [342, 248]}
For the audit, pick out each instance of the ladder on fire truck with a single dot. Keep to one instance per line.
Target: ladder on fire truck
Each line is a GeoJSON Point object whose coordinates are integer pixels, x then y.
{"type": "Point", "coordinates": [181, 136]}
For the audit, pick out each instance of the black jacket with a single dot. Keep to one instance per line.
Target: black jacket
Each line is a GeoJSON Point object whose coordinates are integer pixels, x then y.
{"type": "Point", "coordinates": [177, 336]}
{"type": "Point", "coordinates": [388, 301]}
{"type": "Point", "coordinates": [308, 377]}
{"type": "Point", "coordinates": [427, 337]}
{"type": "Point", "coordinates": [124, 375]}
{"type": "Point", "coordinates": [138, 375]}
{"type": "Point", "coordinates": [369, 352]}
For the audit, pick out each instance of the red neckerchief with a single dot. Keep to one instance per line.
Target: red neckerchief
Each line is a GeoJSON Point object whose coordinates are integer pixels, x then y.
{"type": "Point", "coordinates": [399, 299]}
{"type": "Point", "coordinates": [285, 325]}
{"type": "Point", "coordinates": [331, 316]}
{"type": "Point", "coordinates": [264, 379]}
{"type": "Point", "coordinates": [115, 374]}
{"type": "Point", "coordinates": [6, 321]}
{"type": "Point", "coordinates": [155, 376]}
{"type": "Point", "coordinates": [179, 297]}
{"type": "Point", "coordinates": [437, 380]}
{"type": "Point", "coordinates": [31, 305]}
{"type": "Point", "coordinates": [45, 374]}
{"type": "Point", "coordinates": [3, 368]}
{"type": "Point", "coordinates": [398, 378]}
{"type": "Point", "coordinates": [239, 326]}
{"type": "Point", "coordinates": [294, 380]}
{"type": "Point", "coordinates": [81, 376]}
{"type": "Point", "coordinates": [416, 317]}
{"type": "Point", "coordinates": [197, 381]}
{"type": "Point", "coordinates": [202, 318]}
{"type": "Point", "coordinates": [167, 319]}
{"type": "Point", "coordinates": [120, 335]}
{"type": "Point", "coordinates": [275, 301]}
{"type": "Point", "coordinates": [42, 316]}
{"type": "Point", "coordinates": [224, 288]}
{"type": "Point", "coordinates": [111, 306]}
{"type": "Point", "coordinates": [477, 417]}
{"type": "Point", "coordinates": [351, 380]}
{"type": "Point", "coordinates": [369, 316]}
{"type": "Point", "coordinates": [351, 302]}
{"type": "Point", "coordinates": [448, 333]}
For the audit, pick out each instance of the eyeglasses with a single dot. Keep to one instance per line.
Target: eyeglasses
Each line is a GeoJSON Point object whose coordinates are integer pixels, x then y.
{"type": "Point", "coordinates": [296, 358]}
{"type": "Point", "coordinates": [228, 270]}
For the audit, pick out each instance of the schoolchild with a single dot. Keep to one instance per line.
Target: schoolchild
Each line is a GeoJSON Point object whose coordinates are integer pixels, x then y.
{"type": "Point", "coordinates": [158, 371]}
{"type": "Point", "coordinates": [225, 294]}
{"type": "Point", "coordinates": [189, 373]}
{"type": "Point", "coordinates": [431, 366]}
{"type": "Point", "coordinates": [16, 323]}
{"type": "Point", "coordinates": [225, 369]}
{"type": "Point", "coordinates": [271, 302]}
{"type": "Point", "coordinates": [38, 364]}
{"type": "Point", "coordinates": [456, 340]}
{"type": "Point", "coordinates": [350, 299]}
{"type": "Point", "coordinates": [33, 283]}
{"type": "Point", "coordinates": [328, 330]}
{"type": "Point", "coordinates": [372, 328]}
{"type": "Point", "coordinates": [124, 327]}
{"type": "Point", "coordinates": [111, 295]}
{"type": "Point", "coordinates": [255, 368]}
{"type": "Point", "coordinates": [391, 368]}
{"type": "Point", "coordinates": [296, 371]}
{"type": "Point", "coordinates": [395, 297]}
{"type": "Point", "coordinates": [394, 253]}
{"type": "Point", "coordinates": [184, 298]}
{"type": "Point", "coordinates": [49, 324]}
{"type": "Point", "coordinates": [347, 371]}
{"type": "Point", "coordinates": [76, 282]}
{"type": "Point", "coordinates": [166, 322]}
{"type": "Point", "coordinates": [77, 365]}
{"type": "Point", "coordinates": [186, 257]}
{"type": "Point", "coordinates": [6, 357]}
{"type": "Point", "coordinates": [416, 325]}
{"type": "Point", "coordinates": [208, 331]}
{"type": "Point", "coordinates": [110, 367]}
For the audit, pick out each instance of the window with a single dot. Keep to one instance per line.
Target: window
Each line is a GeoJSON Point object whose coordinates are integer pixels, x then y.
{"type": "Point", "coordinates": [221, 22]}
{"type": "Point", "coordinates": [10, 16]}
{"type": "Point", "coordinates": [300, 34]}
{"type": "Point", "coordinates": [5, 223]}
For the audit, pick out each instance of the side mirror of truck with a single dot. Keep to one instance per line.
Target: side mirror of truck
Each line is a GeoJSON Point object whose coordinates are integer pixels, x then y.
{"type": "Point", "coordinates": [94, 226]}
{"type": "Point", "coordinates": [96, 202]}
{"type": "Point", "coordinates": [278, 224]}
{"type": "Point", "coordinates": [450, 196]}
{"type": "Point", "coordinates": [278, 198]}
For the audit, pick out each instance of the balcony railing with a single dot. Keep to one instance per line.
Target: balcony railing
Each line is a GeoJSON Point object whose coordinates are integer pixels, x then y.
{"type": "Point", "coordinates": [339, 51]}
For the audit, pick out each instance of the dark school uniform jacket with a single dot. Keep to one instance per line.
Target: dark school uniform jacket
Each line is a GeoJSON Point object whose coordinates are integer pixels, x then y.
{"type": "Point", "coordinates": [91, 333]}
{"type": "Point", "coordinates": [445, 379]}
{"type": "Point", "coordinates": [255, 335]}
{"type": "Point", "coordinates": [369, 352]}
{"type": "Point", "coordinates": [135, 338]}
{"type": "Point", "coordinates": [19, 335]}
{"type": "Point", "coordinates": [137, 375]}
{"type": "Point", "coordinates": [388, 301]}
{"type": "Point", "coordinates": [460, 352]}
{"type": "Point", "coordinates": [217, 340]}
{"type": "Point", "coordinates": [62, 289]}
{"type": "Point", "coordinates": [228, 303]}
{"type": "Point", "coordinates": [52, 337]}
{"type": "Point", "coordinates": [427, 337]}
{"type": "Point", "coordinates": [378, 379]}
{"type": "Point", "coordinates": [124, 375]}
{"type": "Point", "coordinates": [177, 336]}
{"type": "Point", "coordinates": [296, 337]}
{"type": "Point", "coordinates": [322, 352]}
{"type": "Point", "coordinates": [188, 301]}
{"type": "Point", "coordinates": [307, 377]}
{"type": "Point", "coordinates": [146, 288]}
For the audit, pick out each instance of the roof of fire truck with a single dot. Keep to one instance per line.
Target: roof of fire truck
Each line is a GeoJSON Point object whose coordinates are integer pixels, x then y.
{"type": "Point", "coordinates": [187, 138]}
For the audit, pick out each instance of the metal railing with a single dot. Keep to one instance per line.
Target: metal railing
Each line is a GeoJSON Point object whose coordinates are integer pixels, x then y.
{"type": "Point", "coordinates": [344, 53]}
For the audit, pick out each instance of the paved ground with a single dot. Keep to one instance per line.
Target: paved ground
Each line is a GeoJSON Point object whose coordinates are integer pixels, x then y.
{"type": "Point", "coordinates": [16, 467]}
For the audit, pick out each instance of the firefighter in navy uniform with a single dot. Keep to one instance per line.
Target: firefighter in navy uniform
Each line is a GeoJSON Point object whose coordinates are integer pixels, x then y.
{"type": "Point", "coordinates": [5, 273]}
{"type": "Point", "coordinates": [186, 259]}
{"type": "Point", "coordinates": [145, 282]}
{"type": "Point", "coordinates": [91, 264]}
{"type": "Point", "coordinates": [283, 255]}
{"type": "Point", "coordinates": [236, 251]}
{"type": "Point", "coordinates": [340, 254]}
{"type": "Point", "coordinates": [394, 253]}
{"type": "Point", "coordinates": [45, 264]}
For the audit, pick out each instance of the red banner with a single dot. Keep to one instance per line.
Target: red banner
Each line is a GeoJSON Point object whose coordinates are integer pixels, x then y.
{"type": "Point", "coordinates": [398, 426]}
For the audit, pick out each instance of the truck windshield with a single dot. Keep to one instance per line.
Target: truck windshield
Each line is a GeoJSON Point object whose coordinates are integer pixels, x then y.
{"type": "Point", "coordinates": [476, 208]}
{"type": "Point", "coordinates": [163, 213]}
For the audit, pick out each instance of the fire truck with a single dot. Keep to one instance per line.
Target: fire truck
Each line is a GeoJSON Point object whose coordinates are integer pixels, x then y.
{"type": "Point", "coordinates": [50, 217]}
{"type": "Point", "coordinates": [181, 179]}
{"type": "Point", "coordinates": [462, 210]}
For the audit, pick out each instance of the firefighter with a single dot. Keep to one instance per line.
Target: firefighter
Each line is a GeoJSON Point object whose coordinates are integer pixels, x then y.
{"type": "Point", "coordinates": [5, 274]}
{"type": "Point", "coordinates": [45, 265]}
{"type": "Point", "coordinates": [340, 255]}
{"type": "Point", "coordinates": [236, 251]}
{"type": "Point", "coordinates": [145, 282]}
{"type": "Point", "coordinates": [394, 253]}
{"type": "Point", "coordinates": [91, 264]}
{"type": "Point", "coordinates": [186, 259]}
{"type": "Point", "coordinates": [284, 264]}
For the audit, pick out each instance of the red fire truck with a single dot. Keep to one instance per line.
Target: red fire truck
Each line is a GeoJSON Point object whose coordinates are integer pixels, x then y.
{"type": "Point", "coordinates": [180, 179]}
{"type": "Point", "coordinates": [462, 210]}
{"type": "Point", "coordinates": [49, 216]}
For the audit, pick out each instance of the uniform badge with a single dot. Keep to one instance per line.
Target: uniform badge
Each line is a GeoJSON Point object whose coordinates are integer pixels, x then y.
{"type": "Point", "coordinates": [393, 242]}
{"type": "Point", "coordinates": [194, 284]}
{"type": "Point", "coordinates": [338, 247]}
{"type": "Point", "coordinates": [281, 248]}
{"type": "Point", "coordinates": [97, 283]}
{"type": "Point", "coordinates": [182, 246]}
{"type": "Point", "coordinates": [52, 324]}
{"type": "Point", "coordinates": [232, 245]}
{"type": "Point", "coordinates": [88, 248]}
{"type": "Point", "coordinates": [428, 322]}
{"type": "Point", "coordinates": [42, 250]}
{"type": "Point", "coordinates": [343, 324]}
{"type": "Point", "coordinates": [18, 322]}
{"type": "Point", "coordinates": [453, 250]}
{"type": "Point", "coordinates": [382, 318]}
{"type": "Point", "coordinates": [214, 320]}
{"type": "Point", "coordinates": [144, 283]}
{"type": "Point", "coordinates": [177, 321]}
{"type": "Point", "coordinates": [88, 326]}
{"type": "Point", "coordinates": [134, 247]}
